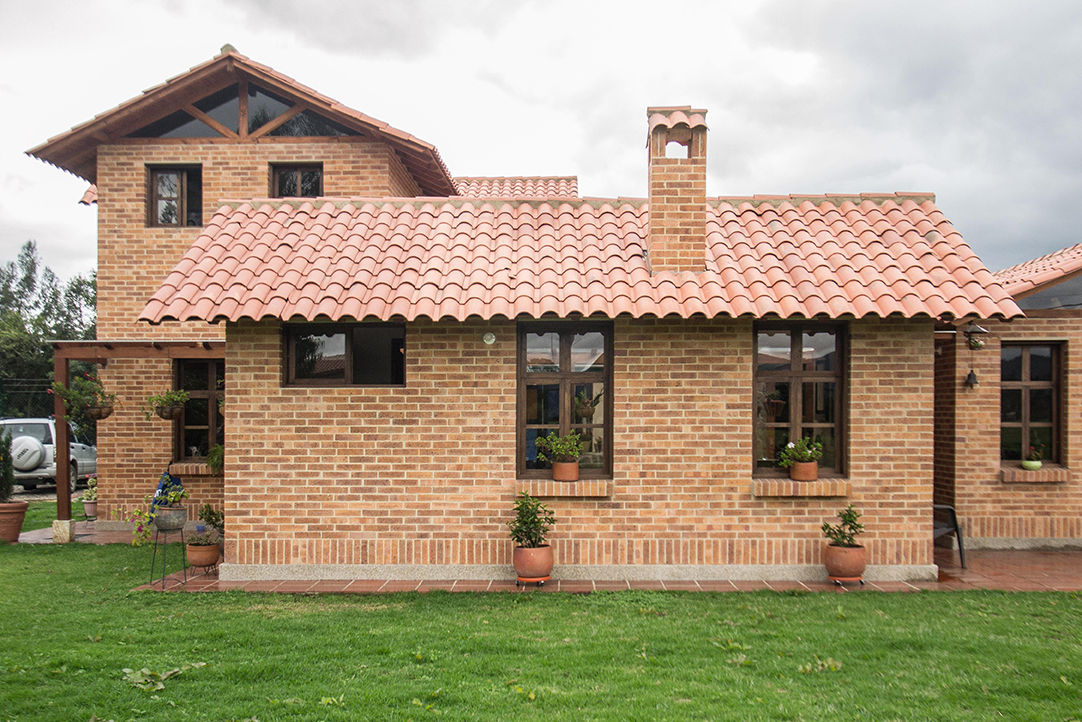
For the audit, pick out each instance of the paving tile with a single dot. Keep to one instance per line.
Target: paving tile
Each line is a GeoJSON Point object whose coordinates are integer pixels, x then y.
{"type": "Point", "coordinates": [400, 585]}
{"type": "Point", "coordinates": [611, 585]}
{"type": "Point", "coordinates": [330, 586]}
{"type": "Point", "coordinates": [646, 584]}
{"type": "Point", "coordinates": [751, 585]}
{"type": "Point", "coordinates": [364, 586]}
{"type": "Point", "coordinates": [787, 586]}
{"type": "Point", "coordinates": [681, 585]}
{"type": "Point", "coordinates": [717, 585]}
{"type": "Point", "coordinates": [432, 585]}
{"type": "Point", "coordinates": [576, 586]}
{"type": "Point", "coordinates": [471, 585]}
{"type": "Point", "coordinates": [295, 586]}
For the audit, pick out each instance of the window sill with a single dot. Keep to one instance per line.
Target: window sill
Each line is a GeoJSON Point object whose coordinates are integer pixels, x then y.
{"type": "Point", "coordinates": [584, 488]}
{"type": "Point", "coordinates": [190, 468]}
{"type": "Point", "coordinates": [790, 488]}
{"type": "Point", "coordinates": [1011, 473]}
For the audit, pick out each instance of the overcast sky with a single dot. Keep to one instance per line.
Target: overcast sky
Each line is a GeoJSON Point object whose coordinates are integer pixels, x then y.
{"type": "Point", "coordinates": [978, 102]}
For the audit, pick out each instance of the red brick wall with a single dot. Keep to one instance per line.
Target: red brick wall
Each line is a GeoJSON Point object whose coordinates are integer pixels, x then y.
{"type": "Point", "coordinates": [379, 475]}
{"type": "Point", "coordinates": [677, 189]}
{"type": "Point", "coordinates": [134, 258]}
{"type": "Point", "coordinates": [1029, 511]}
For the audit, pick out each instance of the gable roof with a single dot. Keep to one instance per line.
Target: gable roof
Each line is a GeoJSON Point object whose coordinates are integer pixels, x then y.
{"type": "Point", "coordinates": [1046, 270]}
{"type": "Point", "coordinates": [838, 256]}
{"type": "Point", "coordinates": [76, 150]}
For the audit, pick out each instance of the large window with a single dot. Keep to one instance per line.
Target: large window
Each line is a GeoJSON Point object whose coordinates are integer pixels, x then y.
{"type": "Point", "coordinates": [1029, 400]}
{"type": "Point", "coordinates": [297, 181]}
{"type": "Point", "coordinates": [565, 385]}
{"type": "Point", "coordinates": [344, 354]}
{"type": "Point", "coordinates": [175, 196]}
{"type": "Point", "coordinates": [203, 423]}
{"type": "Point", "coordinates": [799, 389]}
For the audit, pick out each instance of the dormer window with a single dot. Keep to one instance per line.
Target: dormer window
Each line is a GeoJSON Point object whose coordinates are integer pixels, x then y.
{"type": "Point", "coordinates": [297, 181]}
{"type": "Point", "coordinates": [175, 197]}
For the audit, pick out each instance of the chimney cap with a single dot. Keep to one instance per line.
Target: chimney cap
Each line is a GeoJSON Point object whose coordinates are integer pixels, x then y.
{"type": "Point", "coordinates": [670, 117]}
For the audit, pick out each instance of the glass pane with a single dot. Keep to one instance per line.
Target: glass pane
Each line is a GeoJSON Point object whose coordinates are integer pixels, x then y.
{"type": "Point", "coordinates": [176, 125]}
{"type": "Point", "coordinates": [1040, 405]}
{"type": "Point", "coordinates": [219, 374]}
{"type": "Point", "coordinates": [768, 443]}
{"type": "Point", "coordinates": [223, 106]}
{"type": "Point", "coordinates": [542, 352]}
{"type": "Point", "coordinates": [593, 450]}
{"type": "Point", "coordinates": [197, 412]}
{"type": "Point", "coordinates": [287, 183]}
{"type": "Point", "coordinates": [310, 185]}
{"type": "Point", "coordinates": [826, 438]}
{"type": "Point", "coordinates": [168, 213]}
{"type": "Point", "coordinates": [1010, 405]}
{"type": "Point", "coordinates": [532, 461]}
{"type": "Point", "coordinates": [1040, 363]}
{"type": "Point", "coordinates": [773, 350]}
{"type": "Point", "coordinates": [168, 185]}
{"type": "Point", "coordinates": [379, 355]}
{"type": "Point", "coordinates": [1010, 442]}
{"type": "Point", "coordinates": [818, 350]}
{"type": "Point", "coordinates": [772, 402]}
{"type": "Point", "coordinates": [321, 356]}
{"type": "Point", "coordinates": [263, 107]}
{"type": "Point", "coordinates": [543, 404]}
{"type": "Point", "coordinates": [1010, 363]}
{"type": "Point", "coordinates": [196, 442]}
{"type": "Point", "coordinates": [589, 403]}
{"type": "Point", "coordinates": [194, 196]}
{"type": "Point", "coordinates": [1067, 294]}
{"type": "Point", "coordinates": [308, 123]}
{"type": "Point", "coordinates": [588, 351]}
{"type": "Point", "coordinates": [1039, 437]}
{"type": "Point", "coordinates": [193, 376]}
{"type": "Point", "coordinates": [818, 403]}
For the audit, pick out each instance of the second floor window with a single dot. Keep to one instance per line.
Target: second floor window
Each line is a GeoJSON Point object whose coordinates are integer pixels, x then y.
{"type": "Point", "coordinates": [297, 181]}
{"type": "Point", "coordinates": [176, 196]}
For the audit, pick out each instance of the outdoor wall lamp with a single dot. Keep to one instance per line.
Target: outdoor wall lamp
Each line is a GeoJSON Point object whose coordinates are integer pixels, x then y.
{"type": "Point", "coordinates": [971, 379]}
{"type": "Point", "coordinates": [973, 334]}
{"type": "Point", "coordinates": [489, 338]}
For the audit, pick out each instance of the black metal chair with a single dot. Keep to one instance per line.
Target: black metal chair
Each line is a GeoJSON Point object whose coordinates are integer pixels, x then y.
{"type": "Point", "coordinates": [945, 522]}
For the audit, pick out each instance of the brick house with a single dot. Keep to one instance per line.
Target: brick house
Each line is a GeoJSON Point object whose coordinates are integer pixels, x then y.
{"type": "Point", "coordinates": [1026, 394]}
{"type": "Point", "coordinates": [393, 339]}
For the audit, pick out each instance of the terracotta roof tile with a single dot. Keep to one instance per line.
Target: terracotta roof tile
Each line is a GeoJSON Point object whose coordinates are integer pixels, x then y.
{"type": "Point", "coordinates": [672, 116]}
{"type": "Point", "coordinates": [90, 196]}
{"type": "Point", "coordinates": [517, 187]}
{"type": "Point", "coordinates": [1040, 271]}
{"type": "Point", "coordinates": [374, 258]}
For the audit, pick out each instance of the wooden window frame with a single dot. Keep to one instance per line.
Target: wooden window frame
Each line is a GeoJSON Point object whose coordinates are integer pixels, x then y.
{"type": "Point", "coordinates": [296, 168]}
{"type": "Point", "coordinates": [1055, 384]}
{"type": "Point", "coordinates": [181, 170]}
{"type": "Point", "coordinates": [290, 331]}
{"type": "Point", "coordinates": [212, 393]}
{"type": "Point", "coordinates": [566, 378]}
{"type": "Point", "coordinates": [796, 377]}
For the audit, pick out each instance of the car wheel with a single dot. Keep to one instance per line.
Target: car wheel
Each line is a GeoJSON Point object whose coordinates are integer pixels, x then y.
{"type": "Point", "coordinates": [73, 480]}
{"type": "Point", "coordinates": [29, 487]}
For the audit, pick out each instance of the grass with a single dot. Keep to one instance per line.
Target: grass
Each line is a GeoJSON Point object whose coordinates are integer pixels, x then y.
{"type": "Point", "coordinates": [71, 626]}
{"type": "Point", "coordinates": [40, 514]}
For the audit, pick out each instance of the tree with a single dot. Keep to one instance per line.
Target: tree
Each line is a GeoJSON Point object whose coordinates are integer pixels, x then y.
{"type": "Point", "coordinates": [36, 308]}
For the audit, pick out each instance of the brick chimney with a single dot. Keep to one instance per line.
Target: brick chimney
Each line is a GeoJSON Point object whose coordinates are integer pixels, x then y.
{"type": "Point", "coordinates": [677, 155]}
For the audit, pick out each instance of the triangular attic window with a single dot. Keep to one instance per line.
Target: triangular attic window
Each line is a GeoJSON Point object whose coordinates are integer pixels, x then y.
{"type": "Point", "coordinates": [1066, 294]}
{"type": "Point", "coordinates": [176, 125]}
{"type": "Point", "coordinates": [263, 107]}
{"type": "Point", "coordinates": [223, 106]}
{"type": "Point", "coordinates": [308, 123]}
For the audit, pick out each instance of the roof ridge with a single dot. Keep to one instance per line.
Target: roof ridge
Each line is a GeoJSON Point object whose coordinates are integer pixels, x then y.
{"type": "Point", "coordinates": [796, 198]}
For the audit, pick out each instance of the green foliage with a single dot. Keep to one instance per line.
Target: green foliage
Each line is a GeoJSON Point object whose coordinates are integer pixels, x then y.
{"type": "Point", "coordinates": [554, 447]}
{"type": "Point", "coordinates": [212, 517]}
{"type": "Point", "coordinates": [170, 493]}
{"type": "Point", "coordinates": [216, 458]}
{"type": "Point", "coordinates": [91, 493]}
{"type": "Point", "coordinates": [802, 450]}
{"type": "Point", "coordinates": [36, 308]}
{"type": "Point", "coordinates": [208, 538]}
{"type": "Point", "coordinates": [152, 681]}
{"type": "Point", "coordinates": [845, 533]}
{"type": "Point", "coordinates": [166, 399]}
{"type": "Point", "coordinates": [7, 468]}
{"type": "Point", "coordinates": [531, 523]}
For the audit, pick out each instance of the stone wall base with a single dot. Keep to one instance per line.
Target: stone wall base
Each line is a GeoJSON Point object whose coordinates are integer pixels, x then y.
{"type": "Point", "coordinates": [636, 572]}
{"type": "Point", "coordinates": [1032, 543]}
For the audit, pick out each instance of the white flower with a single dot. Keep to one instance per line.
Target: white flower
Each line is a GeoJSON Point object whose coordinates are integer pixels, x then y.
{"type": "Point", "coordinates": [791, 444]}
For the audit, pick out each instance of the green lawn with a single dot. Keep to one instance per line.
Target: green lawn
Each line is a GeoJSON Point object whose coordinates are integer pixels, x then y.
{"type": "Point", "coordinates": [70, 626]}
{"type": "Point", "coordinates": [40, 514]}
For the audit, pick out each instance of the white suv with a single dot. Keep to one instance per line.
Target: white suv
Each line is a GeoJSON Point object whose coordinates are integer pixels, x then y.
{"type": "Point", "coordinates": [33, 447]}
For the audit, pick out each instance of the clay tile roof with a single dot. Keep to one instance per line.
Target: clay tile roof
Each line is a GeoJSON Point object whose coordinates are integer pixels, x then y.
{"type": "Point", "coordinates": [670, 117]}
{"type": "Point", "coordinates": [1040, 271]}
{"type": "Point", "coordinates": [518, 187]}
{"type": "Point", "coordinates": [457, 257]}
{"type": "Point", "coordinates": [90, 195]}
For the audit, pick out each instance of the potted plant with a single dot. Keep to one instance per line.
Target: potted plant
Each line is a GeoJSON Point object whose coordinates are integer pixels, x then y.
{"type": "Point", "coordinates": [90, 497]}
{"type": "Point", "coordinates": [844, 558]}
{"type": "Point", "coordinates": [216, 459]}
{"type": "Point", "coordinates": [166, 513]}
{"type": "Point", "coordinates": [802, 459]}
{"type": "Point", "coordinates": [563, 453]}
{"type": "Point", "coordinates": [215, 519]}
{"type": "Point", "coordinates": [12, 513]}
{"type": "Point", "coordinates": [1032, 462]}
{"type": "Point", "coordinates": [202, 548]}
{"type": "Point", "coordinates": [532, 557]}
{"type": "Point", "coordinates": [86, 396]}
{"type": "Point", "coordinates": [168, 405]}
{"type": "Point", "coordinates": [586, 404]}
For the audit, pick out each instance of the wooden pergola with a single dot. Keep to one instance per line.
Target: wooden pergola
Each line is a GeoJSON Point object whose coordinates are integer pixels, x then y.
{"type": "Point", "coordinates": [100, 352]}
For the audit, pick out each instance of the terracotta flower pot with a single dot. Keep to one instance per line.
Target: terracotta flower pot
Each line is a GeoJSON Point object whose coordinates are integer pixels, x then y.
{"type": "Point", "coordinates": [532, 563]}
{"type": "Point", "coordinates": [804, 471]}
{"type": "Point", "coordinates": [202, 555]}
{"type": "Point", "coordinates": [565, 471]}
{"type": "Point", "coordinates": [845, 562]}
{"type": "Point", "coordinates": [1031, 465]}
{"type": "Point", "coordinates": [12, 514]}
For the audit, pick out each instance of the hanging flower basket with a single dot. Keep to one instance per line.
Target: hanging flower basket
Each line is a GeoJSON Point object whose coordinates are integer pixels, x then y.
{"type": "Point", "coordinates": [169, 411]}
{"type": "Point", "coordinates": [99, 412]}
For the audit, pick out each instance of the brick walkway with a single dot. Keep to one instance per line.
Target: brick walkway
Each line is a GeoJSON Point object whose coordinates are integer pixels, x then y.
{"type": "Point", "coordinates": [987, 569]}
